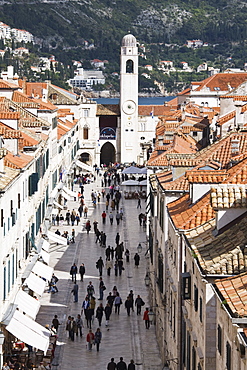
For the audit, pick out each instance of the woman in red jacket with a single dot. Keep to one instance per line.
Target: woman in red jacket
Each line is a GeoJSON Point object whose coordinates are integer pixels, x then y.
{"type": "Point", "coordinates": [90, 339]}
{"type": "Point", "coordinates": [146, 318]}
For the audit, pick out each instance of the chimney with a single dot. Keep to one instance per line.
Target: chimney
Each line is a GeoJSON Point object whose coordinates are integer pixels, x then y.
{"type": "Point", "coordinates": [234, 147]}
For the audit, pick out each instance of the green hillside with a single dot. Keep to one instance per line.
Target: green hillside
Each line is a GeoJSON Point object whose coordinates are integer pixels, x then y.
{"type": "Point", "coordinates": [61, 27]}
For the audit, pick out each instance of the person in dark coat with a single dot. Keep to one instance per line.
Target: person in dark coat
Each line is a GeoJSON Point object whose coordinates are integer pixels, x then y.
{"type": "Point", "coordinates": [137, 259]}
{"type": "Point", "coordinates": [117, 239]}
{"type": "Point", "coordinates": [112, 365]}
{"type": "Point", "coordinates": [55, 322]}
{"type": "Point", "coordinates": [99, 313]}
{"type": "Point", "coordinates": [107, 314]}
{"type": "Point", "coordinates": [128, 305]}
{"type": "Point", "coordinates": [75, 291]}
{"type": "Point", "coordinates": [73, 272]}
{"type": "Point", "coordinates": [131, 365]}
{"type": "Point", "coordinates": [97, 338]}
{"type": "Point", "coordinates": [108, 252]}
{"type": "Point", "coordinates": [82, 271]}
{"type": "Point", "coordinates": [88, 226]}
{"type": "Point", "coordinates": [100, 265]}
{"type": "Point", "coordinates": [121, 365]}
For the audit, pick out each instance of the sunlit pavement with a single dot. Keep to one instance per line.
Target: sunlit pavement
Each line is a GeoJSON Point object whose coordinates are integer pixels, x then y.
{"type": "Point", "coordinates": [127, 336]}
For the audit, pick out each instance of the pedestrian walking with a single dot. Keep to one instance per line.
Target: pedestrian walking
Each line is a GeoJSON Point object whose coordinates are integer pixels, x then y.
{"type": "Point", "coordinates": [90, 290]}
{"type": "Point", "coordinates": [103, 240]}
{"type": "Point", "coordinates": [139, 303]}
{"type": "Point", "coordinates": [55, 323]}
{"type": "Point", "coordinates": [121, 213]}
{"type": "Point", "coordinates": [102, 288]}
{"type": "Point", "coordinates": [72, 218]}
{"type": "Point", "coordinates": [95, 226]}
{"type": "Point", "coordinates": [90, 339]}
{"type": "Point", "coordinates": [131, 365]}
{"type": "Point", "coordinates": [112, 365]}
{"type": "Point", "coordinates": [73, 272]}
{"type": "Point", "coordinates": [112, 253]}
{"type": "Point", "coordinates": [114, 291]}
{"type": "Point", "coordinates": [85, 211]}
{"type": "Point", "coordinates": [103, 215]}
{"type": "Point", "coordinates": [80, 210]}
{"type": "Point", "coordinates": [100, 265]}
{"type": "Point", "coordinates": [67, 217]}
{"type": "Point", "coordinates": [88, 226]}
{"type": "Point", "coordinates": [75, 291]}
{"type": "Point", "coordinates": [127, 255]}
{"type": "Point", "coordinates": [79, 324]}
{"type": "Point", "coordinates": [111, 218]}
{"type": "Point", "coordinates": [98, 236]}
{"type": "Point", "coordinates": [137, 259]}
{"type": "Point", "coordinates": [146, 318]}
{"type": "Point", "coordinates": [97, 338]}
{"type": "Point", "coordinates": [128, 305]}
{"type": "Point", "coordinates": [109, 266]}
{"type": "Point", "coordinates": [140, 219]}
{"type": "Point", "coordinates": [68, 324]}
{"type": "Point", "coordinates": [121, 365]}
{"type": "Point", "coordinates": [117, 303]}
{"type": "Point", "coordinates": [108, 311]}
{"type": "Point", "coordinates": [116, 268]}
{"type": "Point", "coordinates": [131, 295]}
{"type": "Point", "coordinates": [110, 299]}
{"type": "Point", "coordinates": [77, 218]}
{"type": "Point", "coordinates": [117, 239]}
{"type": "Point", "coordinates": [82, 271]}
{"type": "Point", "coordinates": [92, 304]}
{"type": "Point", "coordinates": [108, 252]}
{"type": "Point", "coordinates": [72, 329]}
{"type": "Point", "coordinates": [99, 313]}
{"type": "Point", "coordinates": [118, 217]}
{"type": "Point", "coordinates": [120, 266]}
{"type": "Point", "coordinates": [139, 203]}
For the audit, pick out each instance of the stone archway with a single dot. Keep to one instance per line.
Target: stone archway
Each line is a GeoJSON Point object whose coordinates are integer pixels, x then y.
{"type": "Point", "coordinates": [107, 154]}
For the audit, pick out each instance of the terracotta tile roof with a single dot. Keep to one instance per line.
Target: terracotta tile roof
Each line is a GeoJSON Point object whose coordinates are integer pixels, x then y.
{"type": "Point", "coordinates": [238, 173]}
{"type": "Point", "coordinates": [222, 254]}
{"type": "Point", "coordinates": [228, 196]}
{"type": "Point", "coordinates": [185, 92]}
{"type": "Point", "coordinates": [9, 115]}
{"type": "Point", "coordinates": [234, 291]}
{"type": "Point", "coordinates": [244, 108]}
{"type": "Point", "coordinates": [24, 100]}
{"type": "Point", "coordinates": [235, 97]}
{"type": "Point", "coordinates": [35, 88]}
{"type": "Point", "coordinates": [108, 110]}
{"type": "Point", "coordinates": [221, 81]}
{"type": "Point", "coordinates": [158, 110]}
{"type": "Point", "coordinates": [45, 105]}
{"type": "Point", "coordinates": [188, 216]}
{"type": "Point", "coordinates": [16, 162]}
{"type": "Point", "coordinates": [180, 184]}
{"type": "Point", "coordinates": [164, 176]}
{"type": "Point", "coordinates": [7, 177]}
{"type": "Point", "coordinates": [9, 134]}
{"type": "Point", "coordinates": [206, 176]}
{"type": "Point", "coordinates": [226, 118]}
{"type": "Point", "coordinates": [7, 85]}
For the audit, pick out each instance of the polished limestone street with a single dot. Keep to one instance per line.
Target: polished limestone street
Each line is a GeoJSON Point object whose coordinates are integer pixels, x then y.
{"type": "Point", "coordinates": [127, 335]}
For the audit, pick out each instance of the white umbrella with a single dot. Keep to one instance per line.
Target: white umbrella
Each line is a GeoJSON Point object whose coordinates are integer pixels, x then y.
{"type": "Point", "coordinates": [131, 169]}
{"type": "Point", "coordinates": [143, 183]}
{"type": "Point", "coordinates": [143, 170]}
{"type": "Point", "coordinates": [130, 182]}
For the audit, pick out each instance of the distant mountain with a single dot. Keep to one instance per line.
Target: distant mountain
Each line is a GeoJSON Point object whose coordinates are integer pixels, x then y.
{"type": "Point", "coordinates": [61, 27]}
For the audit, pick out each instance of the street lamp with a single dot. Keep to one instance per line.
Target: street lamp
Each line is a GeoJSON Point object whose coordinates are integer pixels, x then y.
{"type": "Point", "coordinates": [151, 316]}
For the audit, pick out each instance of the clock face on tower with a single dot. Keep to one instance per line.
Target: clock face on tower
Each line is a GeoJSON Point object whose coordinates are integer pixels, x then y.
{"type": "Point", "coordinates": [129, 107]}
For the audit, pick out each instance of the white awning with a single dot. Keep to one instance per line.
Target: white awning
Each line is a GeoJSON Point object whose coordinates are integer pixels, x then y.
{"type": "Point", "coordinates": [27, 304]}
{"type": "Point", "coordinates": [29, 331]}
{"type": "Point", "coordinates": [46, 245]}
{"type": "Point", "coordinates": [42, 270]}
{"type": "Point", "coordinates": [57, 204]}
{"type": "Point", "coordinates": [65, 195]}
{"type": "Point", "coordinates": [84, 166]}
{"type": "Point", "coordinates": [35, 283]}
{"type": "Point", "coordinates": [70, 192]}
{"type": "Point", "coordinates": [45, 256]}
{"type": "Point", "coordinates": [57, 238]}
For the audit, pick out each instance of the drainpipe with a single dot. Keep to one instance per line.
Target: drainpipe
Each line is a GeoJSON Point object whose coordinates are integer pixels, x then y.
{"type": "Point", "coordinates": [180, 303]}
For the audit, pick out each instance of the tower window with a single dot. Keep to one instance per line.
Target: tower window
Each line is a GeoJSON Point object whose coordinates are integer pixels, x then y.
{"type": "Point", "coordinates": [129, 66]}
{"type": "Point", "coordinates": [85, 133]}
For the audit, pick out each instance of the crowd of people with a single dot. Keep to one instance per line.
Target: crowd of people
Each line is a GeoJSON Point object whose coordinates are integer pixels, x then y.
{"type": "Point", "coordinates": [88, 322]}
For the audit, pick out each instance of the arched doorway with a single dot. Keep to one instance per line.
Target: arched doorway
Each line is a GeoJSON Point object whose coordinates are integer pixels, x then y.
{"type": "Point", "coordinates": [86, 158]}
{"type": "Point", "coordinates": [107, 154]}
